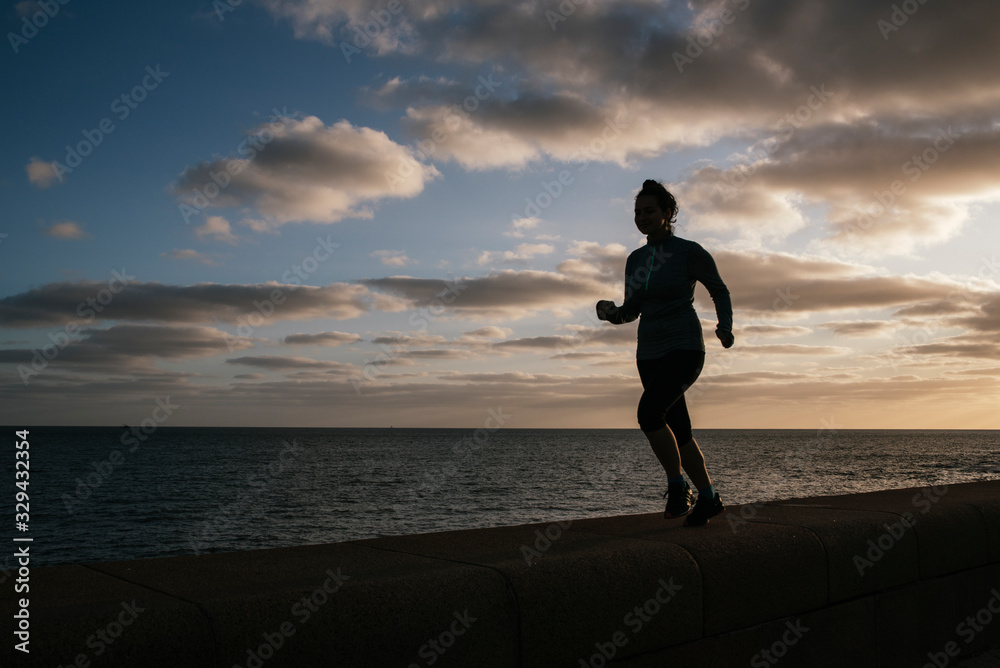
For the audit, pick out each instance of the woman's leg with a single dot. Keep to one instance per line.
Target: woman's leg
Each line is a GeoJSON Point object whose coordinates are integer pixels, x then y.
{"type": "Point", "coordinates": [693, 462]}
{"type": "Point", "coordinates": [662, 412]}
{"type": "Point", "coordinates": [692, 459]}
{"type": "Point", "coordinates": [665, 448]}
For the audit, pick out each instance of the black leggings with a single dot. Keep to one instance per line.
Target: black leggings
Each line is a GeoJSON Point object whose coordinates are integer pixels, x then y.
{"type": "Point", "coordinates": [664, 381]}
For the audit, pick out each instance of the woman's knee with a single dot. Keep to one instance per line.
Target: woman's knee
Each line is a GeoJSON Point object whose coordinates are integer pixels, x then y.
{"type": "Point", "coordinates": [650, 422]}
{"type": "Point", "coordinates": [683, 434]}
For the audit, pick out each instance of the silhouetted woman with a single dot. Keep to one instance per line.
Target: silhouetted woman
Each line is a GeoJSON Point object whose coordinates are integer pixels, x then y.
{"type": "Point", "coordinates": [659, 286]}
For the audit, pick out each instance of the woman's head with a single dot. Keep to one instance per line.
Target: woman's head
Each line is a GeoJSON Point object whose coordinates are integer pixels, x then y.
{"type": "Point", "coordinates": [655, 208]}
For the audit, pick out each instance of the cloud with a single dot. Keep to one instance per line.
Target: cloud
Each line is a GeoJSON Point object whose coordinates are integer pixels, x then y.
{"type": "Point", "coordinates": [217, 228]}
{"type": "Point", "coordinates": [627, 79]}
{"type": "Point", "coordinates": [87, 301]}
{"type": "Point", "coordinates": [861, 328]}
{"type": "Point", "coordinates": [888, 188]}
{"type": "Point", "coordinates": [772, 330]}
{"type": "Point", "coordinates": [40, 173]}
{"type": "Point", "coordinates": [321, 339]}
{"type": "Point", "coordinates": [164, 342]}
{"type": "Point", "coordinates": [490, 332]}
{"type": "Point", "coordinates": [965, 346]}
{"type": "Point", "coordinates": [439, 354]}
{"type": "Point", "coordinates": [401, 339]}
{"type": "Point", "coordinates": [795, 349]}
{"type": "Point", "coordinates": [775, 283]}
{"type": "Point", "coordinates": [520, 226]}
{"type": "Point", "coordinates": [758, 68]}
{"type": "Point", "coordinates": [303, 170]}
{"type": "Point", "coordinates": [67, 229]}
{"type": "Point", "coordinates": [287, 363]}
{"type": "Point", "coordinates": [521, 254]}
{"type": "Point", "coordinates": [188, 254]}
{"type": "Point", "coordinates": [392, 258]}
{"type": "Point", "coordinates": [128, 348]}
{"type": "Point", "coordinates": [27, 8]}
{"type": "Point", "coordinates": [507, 293]}
{"type": "Point", "coordinates": [594, 261]}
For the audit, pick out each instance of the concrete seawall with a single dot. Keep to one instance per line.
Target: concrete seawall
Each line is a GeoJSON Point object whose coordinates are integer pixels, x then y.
{"type": "Point", "coordinates": [906, 577]}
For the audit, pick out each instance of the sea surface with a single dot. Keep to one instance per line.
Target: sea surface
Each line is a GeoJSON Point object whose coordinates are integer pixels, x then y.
{"type": "Point", "coordinates": [103, 493]}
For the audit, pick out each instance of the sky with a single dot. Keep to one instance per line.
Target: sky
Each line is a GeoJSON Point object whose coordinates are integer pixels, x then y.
{"type": "Point", "coordinates": [307, 213]}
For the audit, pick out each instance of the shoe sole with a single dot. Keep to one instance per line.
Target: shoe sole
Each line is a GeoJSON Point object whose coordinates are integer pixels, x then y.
{"type": "Point", "coordinates": [695, 526]}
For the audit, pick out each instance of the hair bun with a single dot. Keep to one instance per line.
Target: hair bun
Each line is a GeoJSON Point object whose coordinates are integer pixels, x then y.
{"type": "Point", "coordinates": [649, 183]}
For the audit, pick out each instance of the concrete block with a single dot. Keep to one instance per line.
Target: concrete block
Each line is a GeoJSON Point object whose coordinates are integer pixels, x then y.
{"type": "Point", "coordinates": [583, 599]}
{"type": "Point", "coordinates": [977, 604]}
{"type": "Point", "coordinates": [725, 649]}
{"type": "Point", "coordinates": [82, 617]}
{"type": "Point", "coordinates": [866, 550]}
{"type": "Point", "coordinates": [836, 636]}
{"type": "Point", "coordinates": [985, 498]}
{"type": "Point", "coordinates": [940, 525]}
{"type": "Point", "coordinates": [914, 621]}
{"type": "Point", "coordinates": [629, 591]}
{"type": "Point", "coordinates": [339, 604]}
{"type": "Point", "coordinates": [761, 573]}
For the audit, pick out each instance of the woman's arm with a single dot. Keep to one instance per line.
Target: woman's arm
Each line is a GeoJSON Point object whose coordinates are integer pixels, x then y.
{"type": "Point", "coordinates": [702, 267]}
{"type": "Point", "coordinates": [630, 308]}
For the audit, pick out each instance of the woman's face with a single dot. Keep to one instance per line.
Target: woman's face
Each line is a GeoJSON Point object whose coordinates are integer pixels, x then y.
{"type": "Point", "coordinates": [649, 217]}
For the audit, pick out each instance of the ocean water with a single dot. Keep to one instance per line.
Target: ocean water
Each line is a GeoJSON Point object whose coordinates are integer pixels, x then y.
{"type": "Point", "coordinates": [101, 494]}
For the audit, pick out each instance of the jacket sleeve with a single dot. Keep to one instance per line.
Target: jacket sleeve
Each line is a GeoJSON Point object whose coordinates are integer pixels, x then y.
{"type": "Point", "coordinates": [702, 267]}
{"type": "Point", "coordinates": [630, 308]}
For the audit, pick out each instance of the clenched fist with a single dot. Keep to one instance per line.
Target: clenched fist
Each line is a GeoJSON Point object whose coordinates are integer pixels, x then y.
{"type": "Point", "coordinates": [605, 308]}
{"type": "Point", "coordinates": [726, 337]}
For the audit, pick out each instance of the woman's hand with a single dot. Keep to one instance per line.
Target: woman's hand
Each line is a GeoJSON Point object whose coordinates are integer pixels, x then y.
{"type": "Point", "coordinates": [726, 337]}
{"type": "Point", "coordinates": [606, 308]}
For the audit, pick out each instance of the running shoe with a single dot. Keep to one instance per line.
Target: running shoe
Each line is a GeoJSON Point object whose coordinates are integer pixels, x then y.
{"type": "Point", "coordinates": [704, 510]}
{"type": "Point", "coordinates": [678, 497]}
